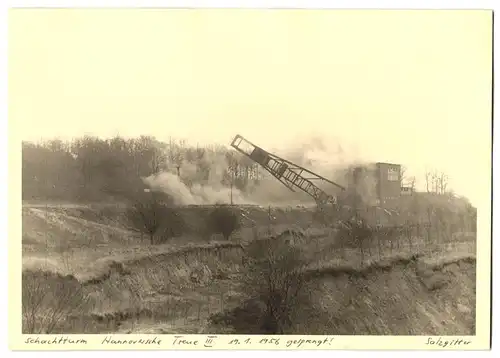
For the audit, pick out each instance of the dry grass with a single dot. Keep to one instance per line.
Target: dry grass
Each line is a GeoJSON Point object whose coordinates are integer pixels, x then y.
{"type": "Point", "coordinates": [404, 295]}
{"type": "Point", "coordinates": [162, 288]}
{"type": "Point", "coordinates": [48, 299]}
{"type": "Point", "coordinates": [122, 284]}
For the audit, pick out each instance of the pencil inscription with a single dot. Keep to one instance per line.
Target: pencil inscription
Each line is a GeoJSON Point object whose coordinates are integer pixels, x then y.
{"type": "Point", "coordinates": [447, 342]}
{"type": "Point", "coordinates": [111, 340]}
{"type": "Point", "coordinates": [54, 341]}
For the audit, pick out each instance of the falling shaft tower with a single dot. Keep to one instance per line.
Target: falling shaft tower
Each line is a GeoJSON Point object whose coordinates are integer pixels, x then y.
{"type": "Point", "coordinates": [291, 175]}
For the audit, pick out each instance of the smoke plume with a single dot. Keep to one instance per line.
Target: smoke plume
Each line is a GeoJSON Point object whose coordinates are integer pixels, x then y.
{"type": "Point", "coordinates": [188, 183]}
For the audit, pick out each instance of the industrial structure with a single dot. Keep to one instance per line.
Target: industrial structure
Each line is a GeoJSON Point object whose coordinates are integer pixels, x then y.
{"type": "Point", "coordinates": [381, 180]}
{"type": "Point", "coordinates": [291, 175]}
{"type": "Point", "coordinates": [372, 191]}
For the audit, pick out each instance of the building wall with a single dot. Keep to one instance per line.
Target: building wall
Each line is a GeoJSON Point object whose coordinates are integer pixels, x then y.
{"type": "Point", "coordinates": [361, 182]}
{"type": "Point", "coordinates": [378, 184]}
{"type": "Point", "coordinates": [388, 182]}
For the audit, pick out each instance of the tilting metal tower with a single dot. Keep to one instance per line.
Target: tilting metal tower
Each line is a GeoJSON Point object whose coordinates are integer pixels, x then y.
{"type": "Point", "coordinates": [291, 175]}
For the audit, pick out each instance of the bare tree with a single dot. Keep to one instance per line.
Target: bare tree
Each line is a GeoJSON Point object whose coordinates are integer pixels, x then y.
{"type": "Point", "coordinates": [274, 277]}
{"type": "Point", "coordinates": [402, 173]}
{"type": "Point", "coordinates": [443, 183]}
{"type": "Point", "coordinates": [435, 182]}
{"type": "Point", "coordinates": [428, 181]}
{"type": "Point", "coordinates": [48, 298]}
{"type": "Point", "coordinates": [176, 154]}
{"type": "Point", "coordinates": [157, 159]}
{"type": "Point", "coordinates": [150, 211]}
{"type": "Point", "coordinates": [406, 181]}
{"type": "Point", "coordinates": [412, 181]}
{"type": "Point", "coordinates": [232, 171]}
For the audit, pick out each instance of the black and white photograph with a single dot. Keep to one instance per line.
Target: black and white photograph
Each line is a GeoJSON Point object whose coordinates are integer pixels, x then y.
{"type": "Point", "coordinates": [253, 171]}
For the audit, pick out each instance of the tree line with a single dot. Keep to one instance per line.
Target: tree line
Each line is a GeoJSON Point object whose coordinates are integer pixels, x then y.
{"type": "Point", "coordinates": [91, 169]}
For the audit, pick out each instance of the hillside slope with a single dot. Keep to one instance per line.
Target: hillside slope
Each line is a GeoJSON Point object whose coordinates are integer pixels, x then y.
{"type": "Point", "coordinates": [113, 281]}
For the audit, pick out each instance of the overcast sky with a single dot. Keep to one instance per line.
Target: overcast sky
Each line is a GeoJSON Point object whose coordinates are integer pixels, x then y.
{"type": "Point", "coordinates": [410, 87]}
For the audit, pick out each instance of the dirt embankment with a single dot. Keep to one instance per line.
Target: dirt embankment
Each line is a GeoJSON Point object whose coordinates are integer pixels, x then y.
{"type": "Point", "coordinates": [403, 296]}
{"type": "Point", "coordinates": [171, 292]}
{"type": "Point", "coordinates": [178, 289]}
{"type": "Point", "coordinates": [181, 293]}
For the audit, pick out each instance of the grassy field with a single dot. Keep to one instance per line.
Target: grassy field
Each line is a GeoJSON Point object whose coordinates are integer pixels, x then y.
{"type": "Point", "coordinates": [85, 271]}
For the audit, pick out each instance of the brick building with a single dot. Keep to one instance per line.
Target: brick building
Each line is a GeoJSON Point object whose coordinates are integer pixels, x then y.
{"type": "Point", "coordinates": [378, 184]}
{"type": "Point", "coordinates": [388, 178]}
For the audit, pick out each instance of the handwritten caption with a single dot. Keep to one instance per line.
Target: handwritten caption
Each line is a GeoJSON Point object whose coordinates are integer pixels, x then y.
{"type": "Point", "coordinates": [289, 343]}
{"type": "Point", "coordinates": [223, 342]}
{"type": "Point", "coordinates": [210, 341]}
{"type": "Point", "coordinates": [447, 343]}
{"type": "Point", "coordinates": [180, 341]}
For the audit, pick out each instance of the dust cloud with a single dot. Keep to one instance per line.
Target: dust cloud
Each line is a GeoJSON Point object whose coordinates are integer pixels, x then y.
{"type": "Point", "coordinates": [188, 183]}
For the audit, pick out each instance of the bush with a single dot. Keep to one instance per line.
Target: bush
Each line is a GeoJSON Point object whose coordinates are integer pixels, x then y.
{"type": "Point", "coordinates": [173, 224]}
{"type": "Point", "coordinates": [355, 233]}
{"type": "Point", "coordinates": [151, 212]}
{"type": "Point", "coordinates": [48, 299]}
{"type": "Point", "coordinates": [223, 220]}
{"type": "Point", "coordinates": [274, 278]}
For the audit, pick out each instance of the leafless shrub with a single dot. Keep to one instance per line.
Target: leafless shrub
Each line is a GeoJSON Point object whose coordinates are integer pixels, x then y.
{"type": "Point", "coordinates": [47, 299]}
{"type": "Point", "coordinates": [274, 278]}
{"type": "Point", "coordinates": [223, 220]}
{"type": "Point", "coordinates": [152, 211]}
{"type": "Point", "coordinates": [356, 234]}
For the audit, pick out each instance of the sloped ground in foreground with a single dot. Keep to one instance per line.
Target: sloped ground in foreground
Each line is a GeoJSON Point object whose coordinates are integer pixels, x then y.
{"type": "Point", "coordinates": [110, 281]}
{"type": "Point", "coordinates": [403, 295]}
{"type": "Point", "coordinates": [408, 296]}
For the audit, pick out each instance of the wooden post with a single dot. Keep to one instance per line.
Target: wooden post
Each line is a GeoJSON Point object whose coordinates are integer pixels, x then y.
{"type": "Point", "coordinates": [379, 248]}
{"type": "Point", "coordinates": [362, 255]}
{"type": "Point", "coordinates": [270, 220]}
{"type": "Point", "coordinates": [232, 189]}
{"type": "Point", "coordinates": [409, 238]}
